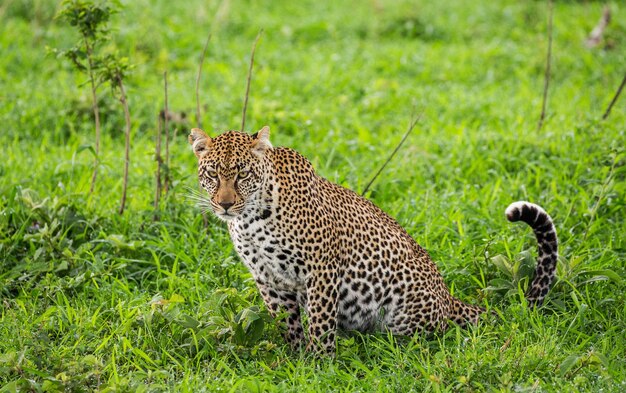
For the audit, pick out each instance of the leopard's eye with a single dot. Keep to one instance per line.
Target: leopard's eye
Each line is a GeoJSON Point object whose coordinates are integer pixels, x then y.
{"type": "Point", "coordinates": [243, 175]}
{"type": "Point", "coordinates": [212, 174]}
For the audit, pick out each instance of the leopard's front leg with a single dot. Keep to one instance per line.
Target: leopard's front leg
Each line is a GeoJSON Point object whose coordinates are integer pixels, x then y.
{"type": "Point", "coordinates": [322, 288]}
{"type": "Point", "coordinates": [278, 301]}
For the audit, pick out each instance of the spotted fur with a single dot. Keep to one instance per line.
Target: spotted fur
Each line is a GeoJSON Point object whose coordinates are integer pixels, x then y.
{"type": "Point", "coordinates": [315, 245]}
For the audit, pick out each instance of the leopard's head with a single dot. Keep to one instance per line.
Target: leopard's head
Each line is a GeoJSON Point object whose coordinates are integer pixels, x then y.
{"type": "Point", "coordinates": [231, 168]}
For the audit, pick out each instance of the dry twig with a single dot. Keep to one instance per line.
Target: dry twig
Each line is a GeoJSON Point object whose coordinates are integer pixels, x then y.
{"type": "Point", "coordinates": [124, 102]}
{"type": "Point", "coordinates": [198, 115]}
{"type": "Point", "coordinates": [406, 134]}
{"type": "Point", "coordinates": [546, 82]}
{"type": "Point", "coordinates": [615, 97]}
{"type": "Point", "coordinates": [159, 160]}
{"type": "Point", "coordinates": [167, 137]}
{"type": "Point", "coordinates": [205, 220]}
{"type": "Point", "coordinates": [245, 102]}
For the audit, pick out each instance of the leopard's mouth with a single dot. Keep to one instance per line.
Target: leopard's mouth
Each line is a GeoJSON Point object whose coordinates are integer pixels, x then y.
{"type": "Point", "coordinates": [227, 215]}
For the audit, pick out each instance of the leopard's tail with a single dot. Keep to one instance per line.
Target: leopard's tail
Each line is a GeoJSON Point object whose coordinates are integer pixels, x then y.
{"type": "Point", "coordinates": [542, 225]}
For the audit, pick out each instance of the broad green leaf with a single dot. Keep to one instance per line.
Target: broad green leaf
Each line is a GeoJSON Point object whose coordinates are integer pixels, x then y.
{"type": "Point", "coordinates": [567, 364]}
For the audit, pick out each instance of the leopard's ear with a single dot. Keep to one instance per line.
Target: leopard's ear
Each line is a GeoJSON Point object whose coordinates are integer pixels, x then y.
{"type": "Point", "coordinates": [261, 142]}
{"type": "Point", "coordinates": [200, 141]}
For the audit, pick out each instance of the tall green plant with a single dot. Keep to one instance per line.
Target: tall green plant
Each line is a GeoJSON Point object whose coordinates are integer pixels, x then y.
{"type": "Point", "coordinates": [91, 20]}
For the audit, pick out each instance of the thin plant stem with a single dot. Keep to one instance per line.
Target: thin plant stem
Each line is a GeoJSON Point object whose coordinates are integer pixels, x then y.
{"type": "Point", "coordinates": [245, 102]}
{"type": "Point", "coordinates": [159, 160]}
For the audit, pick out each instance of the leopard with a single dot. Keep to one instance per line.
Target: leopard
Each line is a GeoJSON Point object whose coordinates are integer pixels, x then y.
{"type": "Point", "coordinates": [319, 249]}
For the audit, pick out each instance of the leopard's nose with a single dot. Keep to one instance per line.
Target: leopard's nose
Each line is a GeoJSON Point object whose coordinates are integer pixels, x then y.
{"type": "Point", "coordinates": [226, 205]}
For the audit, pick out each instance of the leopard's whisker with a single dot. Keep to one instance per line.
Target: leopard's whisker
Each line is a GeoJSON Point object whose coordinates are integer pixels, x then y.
{"type": "Point", "coordinates": [200, 199]}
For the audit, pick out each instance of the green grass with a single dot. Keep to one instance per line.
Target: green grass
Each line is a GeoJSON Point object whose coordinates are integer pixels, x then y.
{"type": "Point", "coordinates": [96, 301]}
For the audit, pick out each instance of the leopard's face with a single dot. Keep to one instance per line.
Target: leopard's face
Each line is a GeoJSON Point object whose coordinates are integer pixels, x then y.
{"type": "Point", "coordinates": [231, 168]}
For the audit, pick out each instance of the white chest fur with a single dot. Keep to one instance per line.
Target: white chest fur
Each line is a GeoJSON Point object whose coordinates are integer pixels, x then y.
{"type": "Point", "coordinates": [270, 258]}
